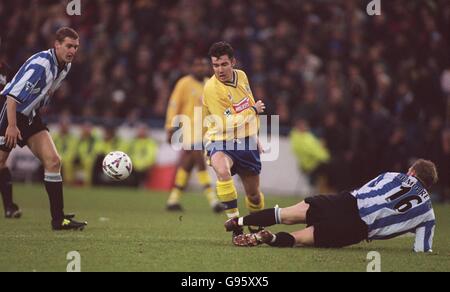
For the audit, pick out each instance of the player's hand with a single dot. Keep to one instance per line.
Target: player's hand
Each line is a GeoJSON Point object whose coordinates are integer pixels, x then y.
{"type": "Point", "coordinates": [260, 107]}
{"type": "Point", "coordinates": [12, 135]}
{"type": "Point", "coordinates": [260, 148]}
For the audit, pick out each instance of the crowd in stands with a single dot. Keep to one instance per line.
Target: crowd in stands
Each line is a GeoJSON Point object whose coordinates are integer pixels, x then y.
{"type": "Point", "coordinates": [373, 90]}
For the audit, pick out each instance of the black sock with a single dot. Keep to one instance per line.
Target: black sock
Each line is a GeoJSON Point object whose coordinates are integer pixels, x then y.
{"type": "Point", "coordinates": [283, 239]}
{"type": "Point", "coordinates": [6, 188]}
{"type": "Point", "coordinates": [262, 218]}
{"type": "Point", "coordinates": [55, 196]}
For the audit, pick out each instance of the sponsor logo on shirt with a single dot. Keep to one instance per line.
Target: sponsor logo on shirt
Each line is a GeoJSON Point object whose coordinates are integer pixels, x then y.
{"type": "Point", "coordinates": [241, 106]}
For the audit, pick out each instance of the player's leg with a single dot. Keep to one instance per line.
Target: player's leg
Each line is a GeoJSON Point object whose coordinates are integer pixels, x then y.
{"type": "Point", "coordinates": [11, 209]}
{"type": "Point", "coordinates": [205, 181]}
{"type": "Point", "coordinates": [291, 215]}
{"type": "Point", "coordinates": [301, 238]}
{"type": "Point", "coordinates": [226, 190]}
{"type": "Point", "coordinates": [186, 165]}
{"type": "Point", "coordinates": [42, 146]}
{"type": "Point", "coordinates": [254, 199]}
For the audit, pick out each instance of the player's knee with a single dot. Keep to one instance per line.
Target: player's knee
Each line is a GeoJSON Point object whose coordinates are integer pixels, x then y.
{"type": "Point", "coordinates": [223, 174]}
{"type": "Point", "coordinates": [53, 163]}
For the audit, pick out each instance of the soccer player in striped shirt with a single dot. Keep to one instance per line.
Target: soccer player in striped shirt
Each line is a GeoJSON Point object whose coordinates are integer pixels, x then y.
{"type": "Point", "coordinates": [390, 205]}
{"type": "Point", "coordinates": [21, 124]}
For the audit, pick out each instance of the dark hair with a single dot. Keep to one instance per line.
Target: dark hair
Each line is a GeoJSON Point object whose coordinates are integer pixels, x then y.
{"type": "Point", "coordinates": [221, 48]}
{"type": "Point", "coordinates": [66, 32]}
{"type": "Point", "coordinates": [426, 172]}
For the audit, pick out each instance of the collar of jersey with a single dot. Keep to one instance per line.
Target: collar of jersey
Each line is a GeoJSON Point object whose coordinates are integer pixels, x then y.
{"type": "Point", "coordinates": [53, 53]}
{"type": "Point", "coordinates": [234, 81]}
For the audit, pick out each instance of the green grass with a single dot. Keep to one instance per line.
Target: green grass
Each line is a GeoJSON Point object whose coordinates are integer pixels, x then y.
{"type": "Point", "coordinates": [130, 231]}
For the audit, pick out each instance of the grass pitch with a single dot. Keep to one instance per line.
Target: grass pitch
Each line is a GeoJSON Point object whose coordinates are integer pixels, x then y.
{"type": "Point", "coordinates": [129, 230]}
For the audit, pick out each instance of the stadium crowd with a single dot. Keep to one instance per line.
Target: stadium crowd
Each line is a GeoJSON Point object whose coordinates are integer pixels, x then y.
{"type": "Point", "coordinates": [373, 90]}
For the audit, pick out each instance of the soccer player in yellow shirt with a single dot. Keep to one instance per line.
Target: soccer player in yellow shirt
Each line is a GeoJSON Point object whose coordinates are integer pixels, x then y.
{"type": "Point", "coordinates": [186, 97]}
{"type": "Point", "coordinates": [231, 115]}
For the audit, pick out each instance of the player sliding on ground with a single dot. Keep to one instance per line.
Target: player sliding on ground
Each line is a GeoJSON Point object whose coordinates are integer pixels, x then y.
{"type": "Point", "coordinates": [388, 206]}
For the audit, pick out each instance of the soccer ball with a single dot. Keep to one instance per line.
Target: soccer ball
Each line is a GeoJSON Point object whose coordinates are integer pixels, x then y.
{"type": "Point", "coordinates": [117, 165]}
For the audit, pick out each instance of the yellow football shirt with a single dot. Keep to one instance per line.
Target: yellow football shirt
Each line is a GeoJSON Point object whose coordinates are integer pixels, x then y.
{"type": "Point", "coordinates": [185, 98]}
{"type": "Point", "coordinates": [228, 108]}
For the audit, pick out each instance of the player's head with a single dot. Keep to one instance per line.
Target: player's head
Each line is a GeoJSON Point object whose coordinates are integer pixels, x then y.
{"type": "Point", "coordinates": [142, 131]}
{"type": "Point", "coordinates": [66, 44]}
{"type": "Point", "coordinates": [86, 129]}
{"type": "Point", "coordinates": [200, 67]}
{"type": "Point", "coordinates": [223, 61]}
{"type": "Point", "coordinates": [425, 171]}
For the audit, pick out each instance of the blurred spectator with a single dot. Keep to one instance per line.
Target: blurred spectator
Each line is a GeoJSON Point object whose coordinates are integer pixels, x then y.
{"type": "Point", "coordinates": [445, 166]}
{"type": "Point", "coordinates": [110, 142]}
{"type": "Point", "coordinates": [66, 144]}
{"type": "Point", "coordinates": [86, 154]}
{"type": "Point", "coordinates": [311, 154]}
{"type": "Point", "coordinates": [307, 59]}
{"type": "Point", "coordinates": [143, 151]}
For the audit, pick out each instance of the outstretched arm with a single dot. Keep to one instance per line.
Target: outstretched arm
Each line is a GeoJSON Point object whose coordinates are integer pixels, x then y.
{"type": "Point", "coordinates": [424, 237]}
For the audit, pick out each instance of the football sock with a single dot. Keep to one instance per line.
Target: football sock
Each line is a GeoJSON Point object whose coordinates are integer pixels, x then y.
{"type": "Point", "coordinates": [6, 187]}
{"type": "Point", "coordinates": [54, 187]}
{"type": "Point", "coordinates": [227, 194]}
{"type": "Point", "coordinates": [263, 218]}
{"type": "Point", "coordinates": [181, 180]}
{"type": "Point", "coordinates": [255, 207]}
{"type": "Point", "coordinates": [174, 196]}
{"type": "Point", "coordinates": [211, 196]}
{"type": "Point", "coordinates": [282, 239]}
{"type": "Point", "coordinates": [205, 180]}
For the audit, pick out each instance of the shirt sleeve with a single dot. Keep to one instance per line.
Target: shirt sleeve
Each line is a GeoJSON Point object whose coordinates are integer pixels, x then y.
{"type": "Point", "coordinates": [424, 237]}
{"type": "Point", "coordinates": [25, 82]}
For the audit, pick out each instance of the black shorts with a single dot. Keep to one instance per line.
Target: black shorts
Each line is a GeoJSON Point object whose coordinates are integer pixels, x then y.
{"type": "Point", "coordinates": [26, 127]}
{"type": "Point", "coordinates": [336, 220]}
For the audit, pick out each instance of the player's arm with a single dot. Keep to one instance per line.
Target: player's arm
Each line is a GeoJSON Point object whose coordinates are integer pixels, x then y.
{"type": "Point", "coordinates": [424, 237]}
{"type": "Point", "coordinates": [217, 103]}
{"type": "Point", "coordinates": [257, 107]}
{"type": "Point", "coordinates": [173, 109]}
{"type": "Point", "coordinates": [248, 115]}
{"type": "Point", "coordinates": [21, 91]}
{"type": "Point", "coordinates": [26, 81]}
{"type": "Point", "coordinates": [12, 133]}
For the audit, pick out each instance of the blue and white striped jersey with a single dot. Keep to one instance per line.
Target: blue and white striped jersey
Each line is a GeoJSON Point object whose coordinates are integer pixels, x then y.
{"type": "Point", "coordinates": [35, 82]}
{"type": "Point", "coordinates": [394, 204]}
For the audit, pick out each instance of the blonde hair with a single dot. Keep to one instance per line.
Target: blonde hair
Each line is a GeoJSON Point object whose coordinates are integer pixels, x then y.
{"type": "Point", "coordinates": [426, 172]}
